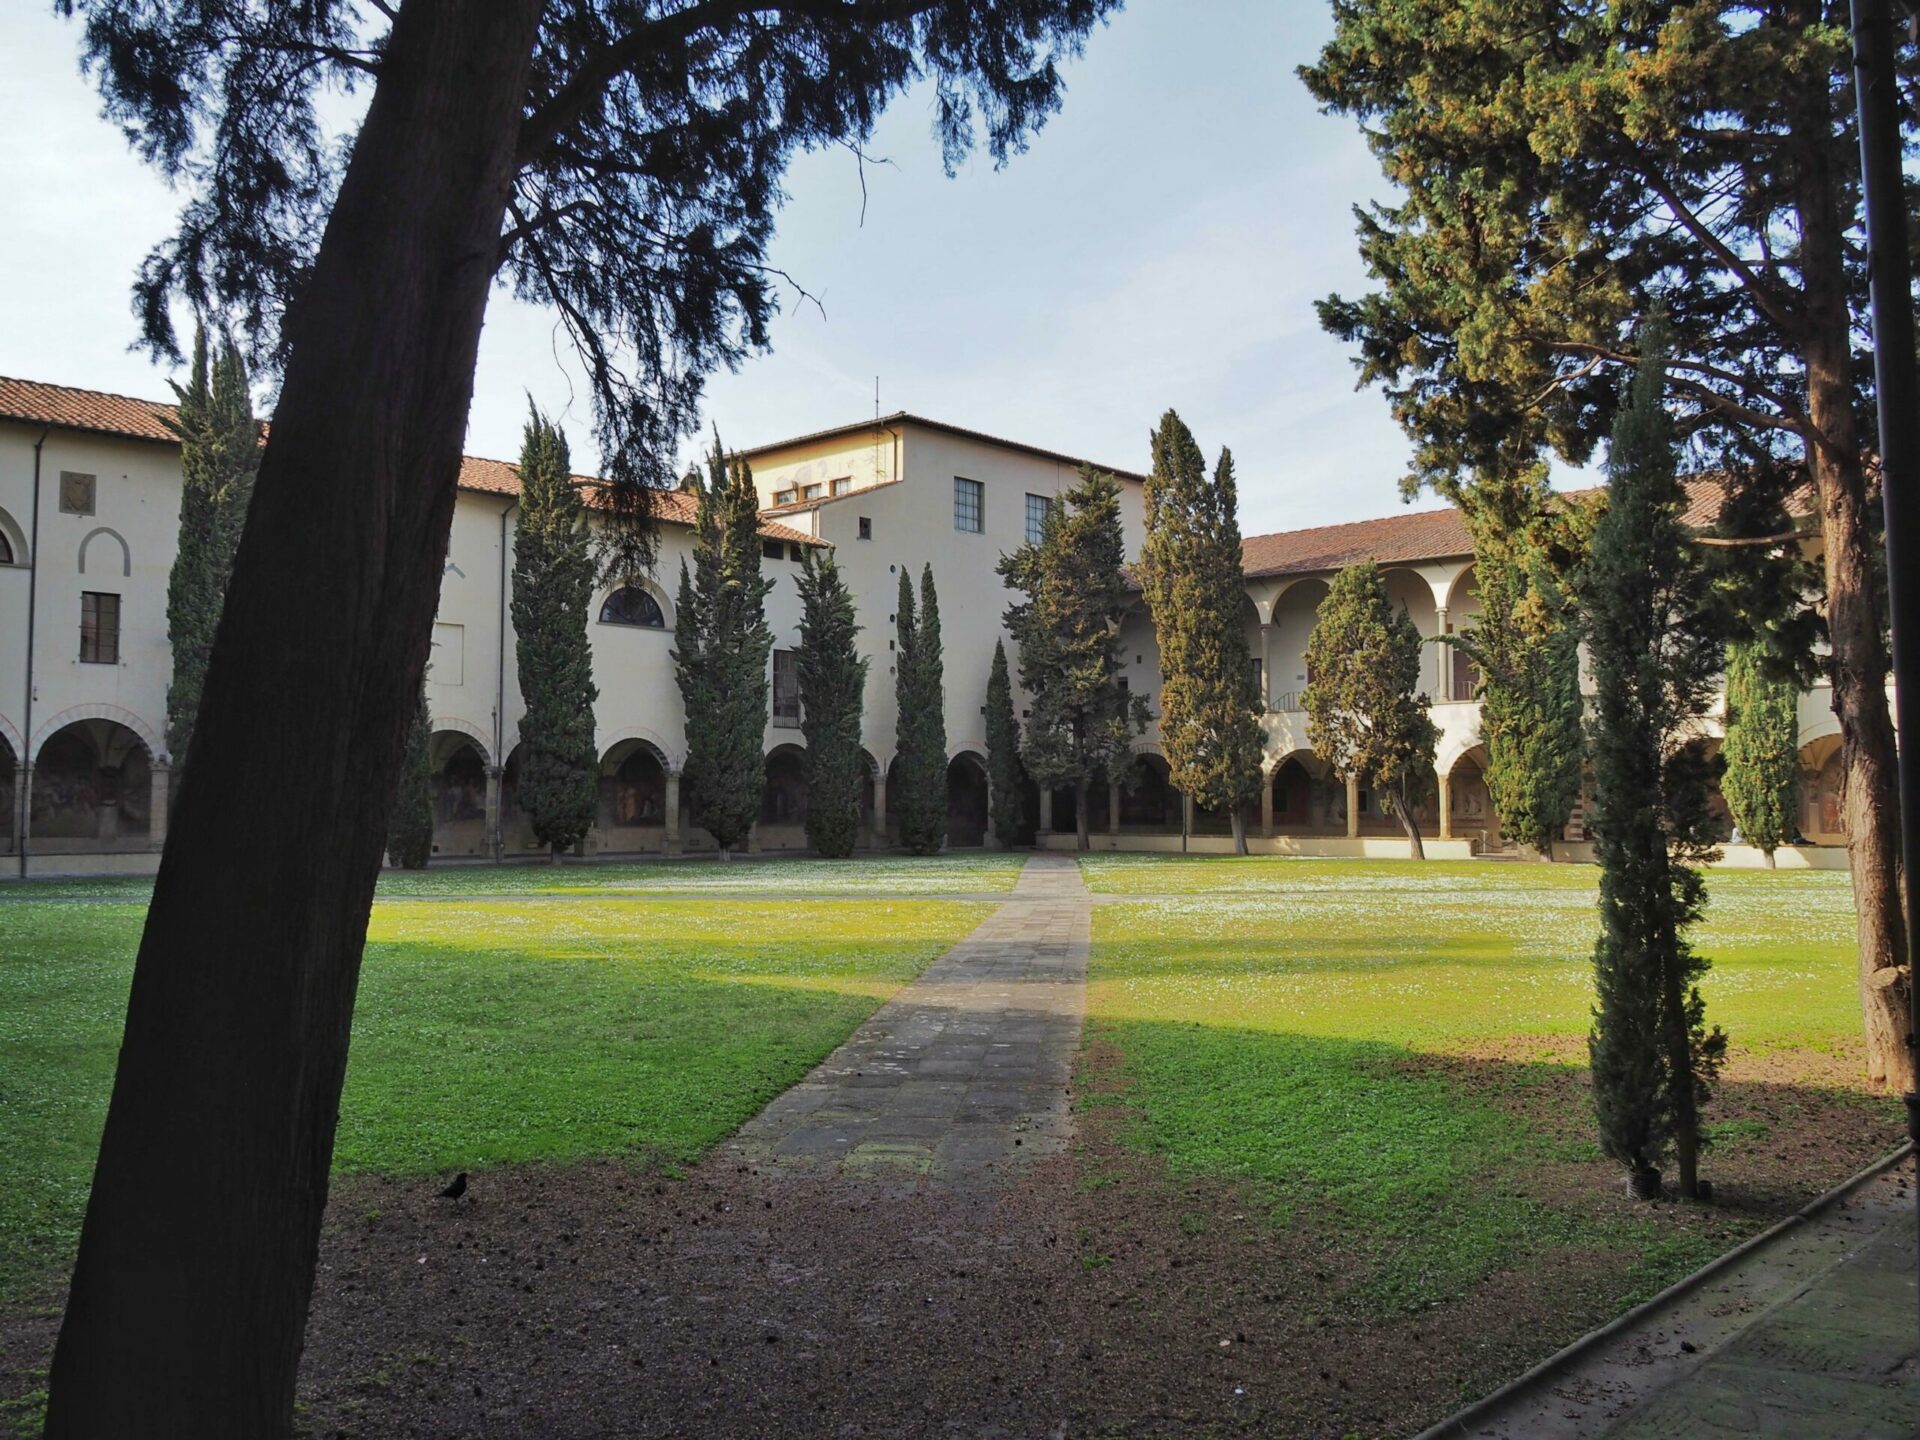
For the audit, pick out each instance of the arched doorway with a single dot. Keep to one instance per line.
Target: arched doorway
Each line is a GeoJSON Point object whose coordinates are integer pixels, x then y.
{"type": "Point", "coordinates": [872, 822]}
{"type": "Point", "coordinates": [1148, 802]}
{"type": "Point", "coordinates": [1293, 796]}
{"type": "Point", "coordinates": [967, 800]}
{"type": "Point", "coordinates": [783, 803]}
{"type": "Point", "coordinates": [633, 798]}
{"type": "Point", "coordinates": [1822, 811]}
{"type": "Point", "coordinates": [459, 794]}
{"type": "Point", "coordinates": [1470, 814]}
{"type": "Point", "coordinates": [92, 790]}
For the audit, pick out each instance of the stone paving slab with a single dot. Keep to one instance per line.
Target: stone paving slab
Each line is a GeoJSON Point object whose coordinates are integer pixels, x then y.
{"type": "Point", "coordinates": [962, 1077]}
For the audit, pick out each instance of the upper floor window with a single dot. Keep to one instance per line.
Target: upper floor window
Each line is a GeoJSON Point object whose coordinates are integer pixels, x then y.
{"type": "Point", "coordinates": [783, 497]}
{"type": "Point", "coordinates": [631, 605]}
{"type": "Point", "coordinates": [1259, 674]}
{"type": "Point", "coordinates": [786, 688]}
{"type": "Point", "coordinates": [812, 492]}
{"type": "Point", "coordinates": [773, 550]}
{"type": "Point", "coordinates": [99, 628]}
{"type": "Point", "coordinates": [1038, 508]}
{"type": "Point", "coordinates": [969, 505]}
{"type": "Point", "coordinates": [841, 485]}
{"type": "Point", "coordinates": [866, 527]}
{"type": "Point", "coordinates": [76, 493]}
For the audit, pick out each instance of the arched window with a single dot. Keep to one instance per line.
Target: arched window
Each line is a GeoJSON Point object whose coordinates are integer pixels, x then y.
{"type": "Point", "coordinates": [6, 549]}
{"type": "Point", "coordinates": [631, 605]}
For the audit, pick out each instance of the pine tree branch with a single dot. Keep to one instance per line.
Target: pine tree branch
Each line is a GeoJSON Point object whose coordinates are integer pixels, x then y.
{"type": "Point", "coordinates": [1764, 295]}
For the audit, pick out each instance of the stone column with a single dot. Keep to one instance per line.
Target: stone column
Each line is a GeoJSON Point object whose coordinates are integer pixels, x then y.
{"type": "Point", "coordinates": [159, 790]}
{"type": "Point", "coordinates": [1442, 671]}
{"type": "Point", "coordinates": [493, 811]}
{"type": "Point", "coordinates": [1445, 783]}
{"type": "Point", "coordinates": [1046, 810]}
{"type": "Point", "coordinates": [1113, 807]}
{"type": "Point", "coordinates": [1353, 807]}
{"type": "Point", "coordinates": [1266, 666]}
{"type": "Point", "coordinates": [879, 837]}
{"type": "Point", "coordinates": [671, 842]}
{"type": "Point", "coordinates": [1266, 805]}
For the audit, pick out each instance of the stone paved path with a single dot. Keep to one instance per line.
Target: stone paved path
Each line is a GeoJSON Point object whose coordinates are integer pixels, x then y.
{"type": "Point", "coordinates": [961, 1077]}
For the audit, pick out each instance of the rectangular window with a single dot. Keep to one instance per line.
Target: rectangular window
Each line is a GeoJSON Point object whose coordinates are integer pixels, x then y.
{"type": "Point", "coordinates": [968, 505]}
{"type": "Point", "coordinates": [796, 554]}
{"type": "Point", "coordinates": [811, 492]}
{"type": "Point", "coordinates": [773, 550]}
{"type": "Point", "coordinates": [99, 628]}
{"type": "Point", "coordinates": [76, 493]}
{"type": "Point", "coordinates": [1259, 681]}
{"type": "Point", "coordinates": [842, 485]}
{"type": "Point", "coordinates": [866, 528]}
{"type": "Point", "coordinates": [783, 497]}
{"type": "Point", "coordinates": [786, 688]}
{"type": "Point", "coordinates": [1038, 507]}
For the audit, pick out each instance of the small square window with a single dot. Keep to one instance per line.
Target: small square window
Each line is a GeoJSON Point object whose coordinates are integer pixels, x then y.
{"type": "Point", "coordinates": [99, 628]}
{"type": "Point", "coordinates": [969, 505]}
{"type": "Point", "coordinates": [773, 550]}
{"type": "Point", "coordinates": [841, 485]}
{"type": "Point", "coordinates": [783, 497]}
{"type": "Point", "coordinates": [76, 493]}
{"type": "Point", "coordinates": [795, 554]}
{"type": "Point", "coordinates": [866, 528]}
{"type": "Point", "coordinates": [812, 492]}
{"type": "Point", "coordinates": [1038, 508]}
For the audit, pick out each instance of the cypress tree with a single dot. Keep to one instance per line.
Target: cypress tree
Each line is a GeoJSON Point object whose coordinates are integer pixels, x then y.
{"type": "Point", "coordinates": [553, 575]}
{"type": "Point", "coordinates": [410, 823]}
{"type": "Point", "coordinates": [1004, 772]}
{"type": "Point", "coordinates": [721, 649]}
{"type": "Point", "coordinates": [1190, 572]}
{"type": "Point", "coordinates": [921, 722]}
{"type": "Point", "coordinates": [219, 453]}
{"type": "Point", "coordinates": [1364, 716]}
{"type": "Point", "coordinates": [1762, 781]}
{"type": "Point", "coordinates": [1526, 541]}
{"type": "Point", "coordinates": [833, 683]}
{"type": "Point", "coordinates": [1081, 718]}
{"type": "Point", "coordinates": [1652, 642]}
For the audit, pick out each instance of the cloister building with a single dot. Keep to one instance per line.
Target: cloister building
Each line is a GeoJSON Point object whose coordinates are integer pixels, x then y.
{"type": "Point", "coordinates": [89, 514]}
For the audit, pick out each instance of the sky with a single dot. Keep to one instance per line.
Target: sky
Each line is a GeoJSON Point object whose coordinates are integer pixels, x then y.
{"type": "Point", "coordinates": [1161, 244]}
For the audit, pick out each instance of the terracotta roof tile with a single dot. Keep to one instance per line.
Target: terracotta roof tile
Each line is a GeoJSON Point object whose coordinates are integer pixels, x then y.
{"type": "Point", "coordinates": [673, 507]}
{"type": "Point", "coordinates": [66, 408]}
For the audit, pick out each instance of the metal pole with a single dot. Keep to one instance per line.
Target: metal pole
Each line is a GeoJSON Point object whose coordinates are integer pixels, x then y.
{"type": "Point", "coordinates": [1891, 291]}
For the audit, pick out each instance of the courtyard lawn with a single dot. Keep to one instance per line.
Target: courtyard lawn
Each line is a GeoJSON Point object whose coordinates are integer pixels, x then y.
{"type": "Point", "coordinates": [1389, 1055]}
{"type": "Point", "coordinates": [486, 1033]}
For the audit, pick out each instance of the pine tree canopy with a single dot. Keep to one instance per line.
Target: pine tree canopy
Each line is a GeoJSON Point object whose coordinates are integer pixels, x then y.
{"type": "Point", "coordinates": [631, 113]}
{"type": "Point", "coordinates": [1081, 719]}
{"type": "Point", "coordinates": [1365, 716]}
{"type": "Point", "coordinates": [1190, 572]}
{"type": "Point", "coordinates": [1653, 630]}
{"type": "Point", "coordinates": [219, 455]}
{"type": "Point", "coordinates": [1005, 774]}
{"type": "Point", "coordinates": [1762, 750]}
{"type": "Point", "coordinates": [553, 583]}
{"type": "Point", "coordinates": [722, 647]}
{"type": "Point", "coordinates": [833, 683]}
{"type": "Point", "coordinates": [410, 821]}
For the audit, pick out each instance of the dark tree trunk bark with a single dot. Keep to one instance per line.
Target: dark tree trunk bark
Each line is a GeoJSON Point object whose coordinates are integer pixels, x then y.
{"type": "Point", "coordinates": [1416, 848]}
{"type": "Point", "coordinates": [189, 1298]}
{"type": "Point", "coordinates": [1679, 1043]}
{"type": "Point", "coordinates": [1858, 662]}
{"type": "Point", "coordinates": [1080, 816]}
{"type": "Point", "coordinates": [1239, 821]}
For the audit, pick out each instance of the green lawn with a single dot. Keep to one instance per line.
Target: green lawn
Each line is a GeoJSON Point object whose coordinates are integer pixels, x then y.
{"type": "Point", "coordinates": [487, 1032]}
{"type": "Point", "coordinates": [1387, 1050]}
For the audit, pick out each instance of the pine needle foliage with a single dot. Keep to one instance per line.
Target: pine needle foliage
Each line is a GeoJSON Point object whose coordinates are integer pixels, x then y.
{"type": "Point", "coordinates": [553, 583]}
{"type": "Point", "coordinates": [1654, 644]}
{"type": "Point", "coordinates": [1365, 716]}
{"type": "Point", "coordinates": [410, 822]}
{"type": "Point", "coordinates": [219, 455]}
{"type": "Point", "coordinates": [833, 684]}
{"type": "Point", "coordinates": [722, 647]}
{"type": "Point", "coordinates": [919, 689]}
{"type": "Point", "coordinates": [1005, 775]}
{"type": "Point", "coordinates": [1081, 718]}
{"type": "Point", "coordinates": [1762, 750]}
{"type": "Point", "coordinates": [1526, 542]}
{"type": "Point", "coordinates": [1190, 572]}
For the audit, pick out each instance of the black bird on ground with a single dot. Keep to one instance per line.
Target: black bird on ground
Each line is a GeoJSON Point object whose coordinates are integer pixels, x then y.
{"type": "Point", "coordinates": [457, 1188]}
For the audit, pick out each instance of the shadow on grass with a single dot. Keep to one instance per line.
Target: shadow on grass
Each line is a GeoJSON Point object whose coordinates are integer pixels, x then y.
{"type": "Point", "coordinates": [1425, 1176]}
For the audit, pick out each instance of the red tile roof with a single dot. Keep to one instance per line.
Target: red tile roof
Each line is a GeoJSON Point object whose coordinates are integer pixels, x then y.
{"type": "Point", "coordinates": [66, 408]}
{"type": "Point", "coordinates": [672, 507]}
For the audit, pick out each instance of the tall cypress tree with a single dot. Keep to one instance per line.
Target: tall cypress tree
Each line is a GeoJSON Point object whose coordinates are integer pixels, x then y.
{"type": "Point", "coordinates": [553, 575]}
{"type": "Point", "coordinates": [1190, 572]}
{"type": "Point", "coordinates": [1654, 645]}
{"type": "Point", "coordinates": [833, 684]}
{"type": "Point", "coordinates": [1003, 754]}
{"type": "Point", "coordinates": [1081, 718]}
{"type": "Point", "coordinates": [721, 647]}
{"type": "Point", "coordinates": [921, 722]}
{"type": "Point", "coordinates": [1526, 541]}
{"type": "Point", "coordinates": [219, 453]}
{"type": "Point", "coordinates": [1762, 782]}
{"type": "Point", "coordinates": [1365, 717]}
{"type": "Point", "coordinates": [410, 822]}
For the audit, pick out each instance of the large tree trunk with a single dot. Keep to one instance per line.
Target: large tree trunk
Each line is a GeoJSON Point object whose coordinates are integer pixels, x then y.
{"type": "Point", "coordinates": [1080, 815]}
{"type": "Point", "coordinates": [189, 1298]}
{"type": "Point", "coordinates": [1858, 662]}
{"type": "Point", "coordinates": [1239, 829]}
{"type": "Point", "coordinates": [1678, 1039]}
{"type": "Point", "coordinates": [1416, 848]}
